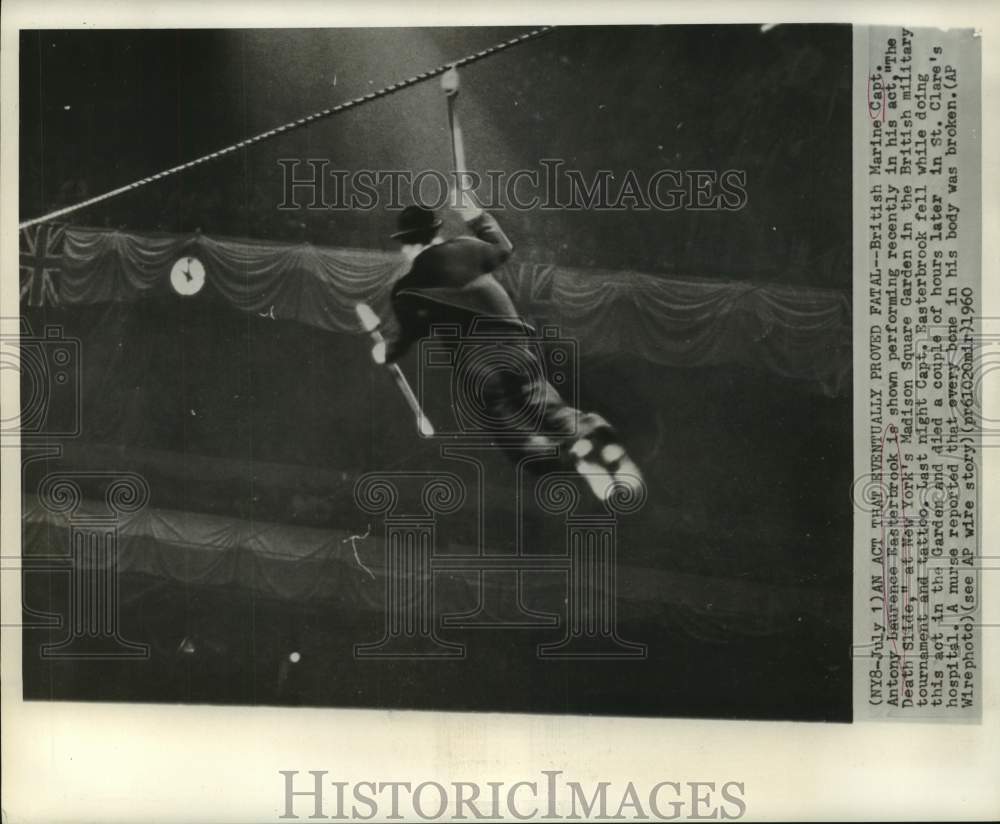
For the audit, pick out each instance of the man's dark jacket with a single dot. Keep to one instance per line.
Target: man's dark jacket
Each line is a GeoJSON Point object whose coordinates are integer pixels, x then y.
{"type": "Point", "coordinates": [451, 283]}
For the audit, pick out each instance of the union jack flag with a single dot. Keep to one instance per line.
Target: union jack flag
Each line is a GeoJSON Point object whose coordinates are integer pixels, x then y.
{"type": "Point", "coordinates": [41, 261]}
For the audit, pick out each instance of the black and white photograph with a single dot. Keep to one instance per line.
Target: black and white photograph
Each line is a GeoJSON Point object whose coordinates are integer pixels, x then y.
{"type": "Point", "coordinates": [519, 380]}
{"type": "Point", "coordinates": [445, 414]}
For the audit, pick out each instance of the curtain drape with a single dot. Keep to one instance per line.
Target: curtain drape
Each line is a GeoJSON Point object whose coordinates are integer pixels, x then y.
{"type": "Point", "coordinates": [799, 333]}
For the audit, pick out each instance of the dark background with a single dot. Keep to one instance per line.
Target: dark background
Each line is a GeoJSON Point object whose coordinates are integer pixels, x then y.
{"type": "Point", "coordinates": [749, 473]}
{"type": "Point", "coordinates": [774, 104]}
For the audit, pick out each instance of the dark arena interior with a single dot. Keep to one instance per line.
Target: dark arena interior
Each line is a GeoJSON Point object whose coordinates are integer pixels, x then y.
{"type": "Point", "coordinates": [245, 417]}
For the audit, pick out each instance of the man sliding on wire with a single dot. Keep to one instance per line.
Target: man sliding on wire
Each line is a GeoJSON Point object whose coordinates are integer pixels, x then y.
{"type": "Point", "coordinates": [450, 285]}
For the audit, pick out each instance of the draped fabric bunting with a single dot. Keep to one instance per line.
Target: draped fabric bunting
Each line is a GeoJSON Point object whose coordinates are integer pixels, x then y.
{"type": "Point", "coordinates": [301, 564]}
{"type": "Point", "coordinates": [799, 333]}
{"type": "Point", "coordinates": [310, 284]}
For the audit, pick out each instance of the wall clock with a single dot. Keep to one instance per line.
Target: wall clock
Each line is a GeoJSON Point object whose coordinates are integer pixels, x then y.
{"type": "Point", "coordinates": [187, 276]}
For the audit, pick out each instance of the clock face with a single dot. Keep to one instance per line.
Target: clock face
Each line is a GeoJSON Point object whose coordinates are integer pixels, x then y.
{"type": "Point", "coordinates": [187, 276]}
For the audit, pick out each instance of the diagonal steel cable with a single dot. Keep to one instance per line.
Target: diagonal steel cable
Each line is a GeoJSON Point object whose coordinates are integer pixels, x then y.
{"type": "Point", "coordinates": [294, 124]}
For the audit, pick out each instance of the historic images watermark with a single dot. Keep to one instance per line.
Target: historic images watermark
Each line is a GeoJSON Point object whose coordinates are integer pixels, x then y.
{"type": "Point", "coordinates": [545, 797]}
{"type": "Point", "coordinates": [49, 367]}
{"type": "Point", "coordinates": [86, 508]}
{"type": "Point", "coordinates": [312, 184]}
{"type": "Point", "coordinates": [461, 366]}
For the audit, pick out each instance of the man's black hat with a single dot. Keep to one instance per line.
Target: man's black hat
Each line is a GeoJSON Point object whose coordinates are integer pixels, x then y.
{"type": "Point", "coordinates": [414, 220]}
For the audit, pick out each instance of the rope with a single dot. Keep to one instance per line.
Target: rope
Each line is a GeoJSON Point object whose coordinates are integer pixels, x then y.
{"type": "Point", "coordinates": [294, 124]}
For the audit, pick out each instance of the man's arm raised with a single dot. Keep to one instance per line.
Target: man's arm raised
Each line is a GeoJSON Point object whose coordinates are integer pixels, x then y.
{"type": "Point", "coordinates": [496, 247]}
